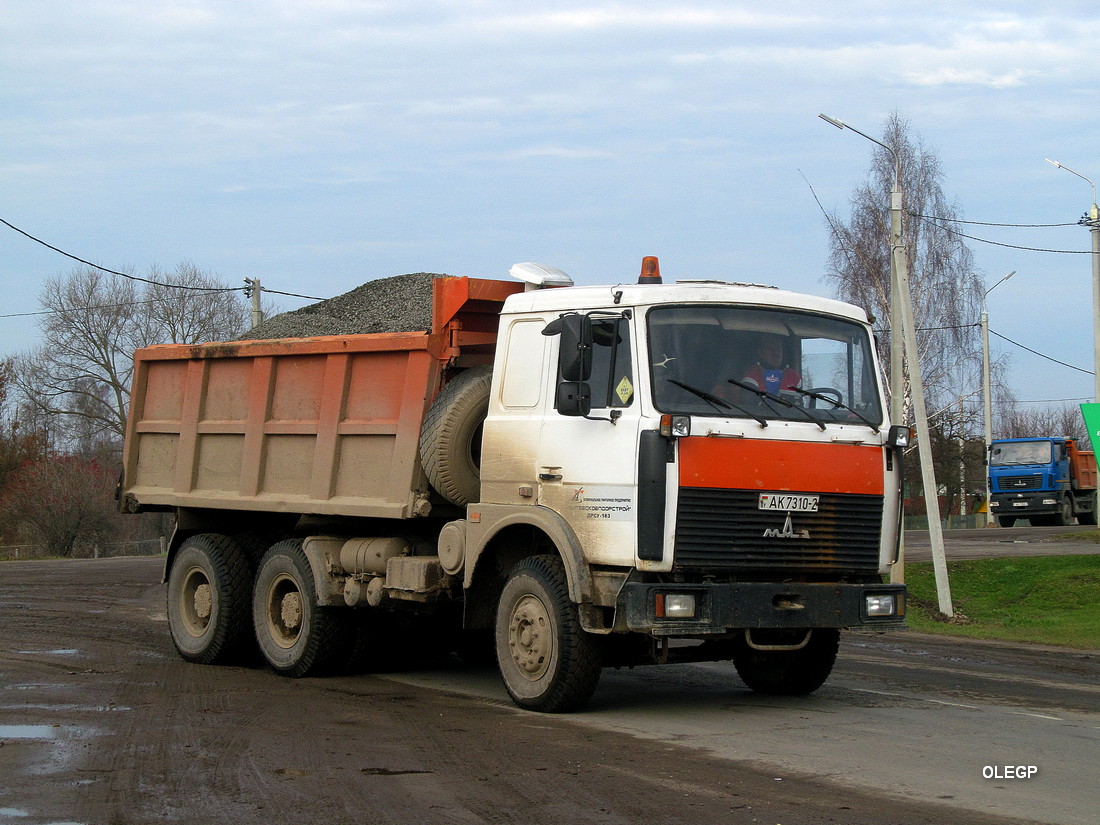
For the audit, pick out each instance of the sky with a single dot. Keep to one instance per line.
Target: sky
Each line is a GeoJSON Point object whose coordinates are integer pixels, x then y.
{"type": "Point", "coordinates": [319, 144]}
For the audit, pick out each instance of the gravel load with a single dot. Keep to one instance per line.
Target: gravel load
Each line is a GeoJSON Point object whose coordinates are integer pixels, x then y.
{"type": "Point", "coordinates": [399, 304]}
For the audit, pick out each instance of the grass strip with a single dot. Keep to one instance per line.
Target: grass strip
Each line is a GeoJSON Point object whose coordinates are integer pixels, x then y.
{"type": "Point", "coordinates": [1052, 600]}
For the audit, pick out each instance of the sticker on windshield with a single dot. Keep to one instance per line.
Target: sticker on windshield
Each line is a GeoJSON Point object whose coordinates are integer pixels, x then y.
{"type": "Point", "coordinates": [625, 390]}
{"type": "Point", "coordinates": [788, 502]}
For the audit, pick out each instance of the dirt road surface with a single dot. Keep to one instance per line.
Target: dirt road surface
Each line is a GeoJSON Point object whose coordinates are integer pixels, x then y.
{"type": "Point", "coordinates": [102, 724]}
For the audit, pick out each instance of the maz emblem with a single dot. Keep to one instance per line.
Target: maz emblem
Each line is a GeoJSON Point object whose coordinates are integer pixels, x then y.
{"type": "Point", "coordinates": [788, 531]}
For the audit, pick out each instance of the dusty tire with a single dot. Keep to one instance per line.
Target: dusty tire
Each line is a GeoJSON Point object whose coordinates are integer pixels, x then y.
{"type": "Point", "coordinates": [450, 440]}
{"type": "Point", "coordinates": [1088, 516]}
{"type": "Point", "coordinates": [547, 661]}
{"type": "Point", "coordinates": [1064, 515]}
{"type": "Point", "coordinates": [208, 600]}
{"type": "Point", "coordinates": [788, 672]}
{"type": "Point", "coordinates": [296, 636]}
{"type": "Point", "coordinates": [1006, 521]}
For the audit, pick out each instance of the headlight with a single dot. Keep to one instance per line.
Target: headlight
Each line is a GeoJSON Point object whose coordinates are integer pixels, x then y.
{"type": "Point", "coordinates": [675, 605]}
{"type": "Point", "coordinates": [882, 604]}
{"type": "Point", "coordinates": [675, 426]}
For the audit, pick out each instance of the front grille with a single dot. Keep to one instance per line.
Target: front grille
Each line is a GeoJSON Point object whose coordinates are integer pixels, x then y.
{"type": "Point", "coordinates": [725, 530]}
{"type": "Point", "coordinates": [1032, 482]}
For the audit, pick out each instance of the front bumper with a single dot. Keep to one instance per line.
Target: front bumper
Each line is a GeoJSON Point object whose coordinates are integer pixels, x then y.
{"type": "Point", "coordinates": [721, 607]}
{"type": "Point", "coordinates": [1039, 502]}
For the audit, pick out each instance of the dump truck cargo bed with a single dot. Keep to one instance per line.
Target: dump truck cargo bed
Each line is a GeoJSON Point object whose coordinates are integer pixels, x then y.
{"type": "Point", "coordinates": [327, 425]}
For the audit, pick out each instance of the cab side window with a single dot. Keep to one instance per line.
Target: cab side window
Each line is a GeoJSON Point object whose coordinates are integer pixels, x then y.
{"type": "Point", "coordinates": [612, 380]}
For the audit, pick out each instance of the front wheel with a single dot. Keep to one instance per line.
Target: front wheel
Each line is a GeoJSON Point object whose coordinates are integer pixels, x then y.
{"type": "Point", "coordinates": [1064, 515]}
{"type": "Point", "coordinates": [208, 600]}
{"type": "Point", "coordinates": [296, 636]}
{"type": "Point", "coordinates": [547, 661]}
{"type": "Point", "coordinates": [788, 672]}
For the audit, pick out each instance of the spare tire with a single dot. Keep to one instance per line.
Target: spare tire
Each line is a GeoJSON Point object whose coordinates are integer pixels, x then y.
{"type": "Point", "coordinates": [450, 440]}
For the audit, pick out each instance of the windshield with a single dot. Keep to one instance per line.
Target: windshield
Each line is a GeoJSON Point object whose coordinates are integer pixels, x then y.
{"type": "Point", "coordinates": [1020, 452]}
{"type": "Point", "coordinates": [762, 363]}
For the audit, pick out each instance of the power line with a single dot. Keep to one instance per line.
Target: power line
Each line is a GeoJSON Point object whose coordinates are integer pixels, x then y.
{"type": "Point", "coordinates": [1053, 400]}
{"type": "Point", "coordinates": [113, 271]}
{"type": "Point", "coordinates": [95, 306]}
{"type": "Point", "coordinates": [986, 223]}
{"type": "Point", "coordinates": [1035, 352]}
{"type": "Point", "coordinates": [1008, 245]}
{"type": "Point", "coordinates": [69, 255]}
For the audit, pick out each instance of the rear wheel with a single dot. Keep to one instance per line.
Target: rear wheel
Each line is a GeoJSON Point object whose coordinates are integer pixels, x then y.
{"type": "Point", "coordinates": [208, 594]}
{"type": "Point", "coordinates": [297, 636]}
{"type": "Point", "coordinates": [1088, 516]}
{"type": "Point", "coordinates": [1006, 521]}
{"type": "Point", "coordinates": [788, 672]}
{"type": "Point", "coordinates": [547, 661]}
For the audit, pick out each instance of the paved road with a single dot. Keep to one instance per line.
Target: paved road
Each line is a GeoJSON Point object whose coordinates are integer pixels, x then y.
{"type": "Point", "coordinates": [1002, 541]}
{"type": "Point", "coordinates": [100, 722]}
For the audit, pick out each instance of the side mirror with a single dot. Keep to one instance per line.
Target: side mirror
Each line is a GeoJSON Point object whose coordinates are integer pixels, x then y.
{"type": "Point", "coordinates": [575, 355]}
{"type": "Point", "coordinates": [574, 398]}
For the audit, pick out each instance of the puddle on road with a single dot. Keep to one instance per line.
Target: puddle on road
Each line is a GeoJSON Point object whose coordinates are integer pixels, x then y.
{"type": "Point", "coordinates": [27, 731]}
{"type": "Point", "coordinates": [32, 686]}
{"type": "Point", "coordinates": [64, 651]}
{"type": "Point", "coordinates": [69, 708]}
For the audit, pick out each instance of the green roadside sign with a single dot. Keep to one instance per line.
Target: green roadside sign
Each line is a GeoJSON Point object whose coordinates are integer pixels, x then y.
{"type": "Point", "coordinates": [1091, 412]}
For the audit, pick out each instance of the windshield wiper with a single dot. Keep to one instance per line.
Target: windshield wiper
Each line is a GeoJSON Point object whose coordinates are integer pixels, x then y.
{"type": "Point", "coordinates": [767, 396]}
{"type": "Point", "coordinates": [715, 401]}
{"type": "Point", "coordinates": [836, 403]}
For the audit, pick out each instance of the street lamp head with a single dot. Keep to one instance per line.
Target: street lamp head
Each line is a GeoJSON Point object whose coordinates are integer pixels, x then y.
{"type": "Point", "coordinates": [1089, 180]}
{"type": "Point", "coordinates": [837, 123]}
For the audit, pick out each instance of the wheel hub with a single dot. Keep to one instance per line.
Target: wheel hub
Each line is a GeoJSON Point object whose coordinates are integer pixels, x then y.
{"type": "Point", "coordinates": [285, 611]}
{"type": "Point", "coordinates": [204, 601]}
{"type": "Point", "coordinates": [530, 638]}
{"type": "Point", "coordinates": [291, 611]}
{"type": "Point", "coordinates": [196, 602]}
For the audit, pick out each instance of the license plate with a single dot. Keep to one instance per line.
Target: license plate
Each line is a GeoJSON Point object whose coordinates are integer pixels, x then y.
{"type": "Point", "coordinates": [788, 502]}
{"type": "Point", "coordinates": [1019, 504]}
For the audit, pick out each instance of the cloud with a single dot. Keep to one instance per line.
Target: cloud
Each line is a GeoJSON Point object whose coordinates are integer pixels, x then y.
{"type": "Point", "coordinates": [951, 76]}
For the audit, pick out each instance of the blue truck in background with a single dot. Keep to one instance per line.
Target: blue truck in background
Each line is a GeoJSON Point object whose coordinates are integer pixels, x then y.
{"type": "Point", "coordinates": [1047, 481]}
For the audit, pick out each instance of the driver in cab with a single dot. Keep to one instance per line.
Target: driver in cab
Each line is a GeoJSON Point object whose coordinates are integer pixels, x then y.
{"type": "Point", "coordinates": [770, 373]}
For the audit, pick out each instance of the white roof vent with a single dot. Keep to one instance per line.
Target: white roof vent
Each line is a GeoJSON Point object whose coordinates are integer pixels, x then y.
{"type": "Point", "coordinates": [538, 276]}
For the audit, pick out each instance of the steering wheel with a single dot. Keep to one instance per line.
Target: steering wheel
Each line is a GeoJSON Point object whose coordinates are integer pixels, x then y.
{"type": "Point", "coordinates": [823, 391]}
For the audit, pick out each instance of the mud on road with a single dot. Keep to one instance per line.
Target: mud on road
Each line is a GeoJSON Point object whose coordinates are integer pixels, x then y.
{"type": "Point", "coordinates": [101, 722]}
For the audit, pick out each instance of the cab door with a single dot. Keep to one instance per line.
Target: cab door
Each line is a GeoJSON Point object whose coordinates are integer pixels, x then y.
{"type": "Point", "coordinates": [588, 465]}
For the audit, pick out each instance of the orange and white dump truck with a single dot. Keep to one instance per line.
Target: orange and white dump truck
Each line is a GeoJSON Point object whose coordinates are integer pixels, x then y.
{"type": "Point", "coordinates": [584, 476]}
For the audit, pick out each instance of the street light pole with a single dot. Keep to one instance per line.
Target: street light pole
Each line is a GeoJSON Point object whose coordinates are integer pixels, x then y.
{"type": "Point", "coordinates": [986, 395]}
{"type": "Point", "coordinates": [1092, 221]}
{"type": "Point", "coordinates": [902, 302]}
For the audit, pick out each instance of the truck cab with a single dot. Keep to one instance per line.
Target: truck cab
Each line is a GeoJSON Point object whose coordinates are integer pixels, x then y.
{"type": "Point", "coordinates": [714, 457]}
{"type": "Point", "coordinates": [1048, 481]}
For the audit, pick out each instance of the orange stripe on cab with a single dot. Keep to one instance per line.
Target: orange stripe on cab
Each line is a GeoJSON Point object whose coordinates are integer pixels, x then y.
{"type": "Point", "coordinates": [756, 464]}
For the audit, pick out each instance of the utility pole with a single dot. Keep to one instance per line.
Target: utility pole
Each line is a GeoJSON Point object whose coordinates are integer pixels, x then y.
{"type": "Point", "coordinates": [987, 398]}
{"type": "Point", "coordinates": [1092, 221]}
{"type": "Point", "coordinates": [253, 291]}
{"type": "Point", "coordinates": [899, 287]}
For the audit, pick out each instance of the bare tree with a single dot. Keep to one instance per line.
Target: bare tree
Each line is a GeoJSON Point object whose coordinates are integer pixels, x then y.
{"type": "Point", "coordinates": [80, 375]}
{"type": "Point", "coordinates": [947, 290]}
{"type": "Point", "coordinates": [1044, 422]}
{"type": "Point", "coordinates": [64, 504]}
{"type": "Point", "coordinates": [19, 443]}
